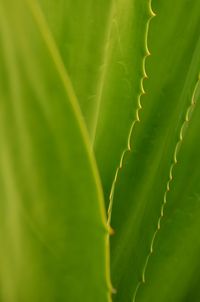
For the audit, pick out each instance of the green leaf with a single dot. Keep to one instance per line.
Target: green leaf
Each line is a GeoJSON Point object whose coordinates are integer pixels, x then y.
{"type": "Point", "coordinates": [102, 44]}
{"type": "Point", "coordinates": [174, 265]}
{"type": "Point", "coordinates": [78, 29]}
{"type": "Point", "coordinates": [141, 186]}
{"type": "Point", "coordinates": [53, 231]}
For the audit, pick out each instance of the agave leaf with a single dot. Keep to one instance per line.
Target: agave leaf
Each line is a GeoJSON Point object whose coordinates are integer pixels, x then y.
{"type": "Point", "coordinates": [143, 181]}
{"type": "Point", "coordinates": [52, 227]}
{"type": "Point", "coordinates": [174, 265]}
{"type": "Point", "coordinates": [78, 28]}
{"type": "Point", "coordinates": [102, 44]}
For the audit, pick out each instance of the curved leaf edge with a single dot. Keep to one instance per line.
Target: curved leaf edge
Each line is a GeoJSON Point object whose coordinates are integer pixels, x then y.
{"type": "Point", "coordinates": [150, 16]}
{"type": "Point", "coordinates": [42, 25]}
{"type": "Point", "coordinates": [182, 133]}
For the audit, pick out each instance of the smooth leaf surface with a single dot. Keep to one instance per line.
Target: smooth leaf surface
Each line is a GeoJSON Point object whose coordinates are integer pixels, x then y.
{"type": "Point", "coordinates": [103, 44]}
{"type": "Point", "coordinates": [79, 29]}
{"type": "Point", "coordinates": [52, 227]}
{"type": "Point", "coordinates": [146, 172]}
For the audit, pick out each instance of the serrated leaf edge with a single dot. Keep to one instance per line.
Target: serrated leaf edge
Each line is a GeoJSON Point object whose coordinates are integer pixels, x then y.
{"type": "Point", "coordinates": [170, 179]}
{"type": "Point", "coordinates": [137, 114]}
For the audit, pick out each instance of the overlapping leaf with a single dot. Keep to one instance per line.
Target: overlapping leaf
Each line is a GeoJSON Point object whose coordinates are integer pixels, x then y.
{"type": "Point", "coordinates": [174, 265]}
{"type": "Point", "coordinates": [102, 44]}
{"type": "Point", "coordinates": [52, 226]}
{"type": "Point", "coordinates": [54, 244]}
{"type": "Point", "coordinates": [143, 181]}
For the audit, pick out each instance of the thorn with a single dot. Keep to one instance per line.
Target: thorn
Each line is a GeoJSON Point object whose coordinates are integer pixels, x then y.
{"type": "Point", "coordinates": [144, 73]}
{"type": "Point", "coordinates": [165, 198]}
{"type": "Point", "coordinates": [139, 104]}
{"type": "Point", "coordinates": [171, 173]}
{"type": "Point", "coordinates": [137, 116]}
{"type": "Point", "coordinates": [168, 188]}
{"type": "Point", "coordinates": [142, 88]}
{"type": "Point", "coordinates": [111, 231]}
{"type": "Point", "coordinates": [113, 290]}
{"type": "Point", "coordinates": [152, 13]}
{"type": "Point", "coordinates": [158, 224]}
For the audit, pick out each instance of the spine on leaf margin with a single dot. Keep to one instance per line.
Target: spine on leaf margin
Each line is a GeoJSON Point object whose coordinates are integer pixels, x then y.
{"type": "Point", "coordinates": [136, 120]}
{"type": "Point", "coordinates": [183, 128]}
